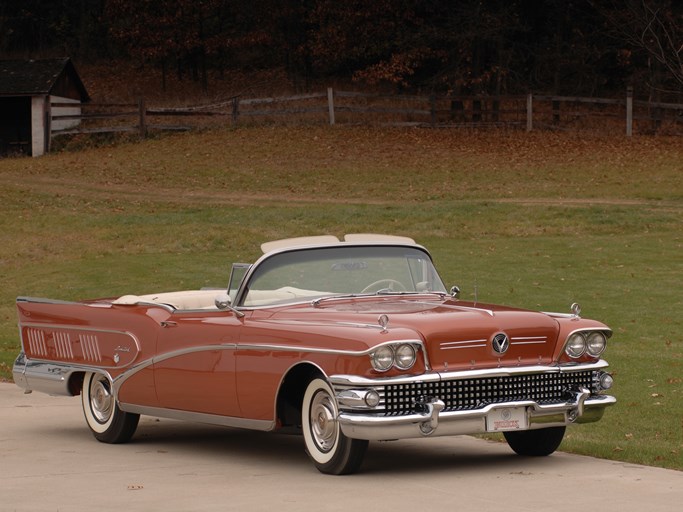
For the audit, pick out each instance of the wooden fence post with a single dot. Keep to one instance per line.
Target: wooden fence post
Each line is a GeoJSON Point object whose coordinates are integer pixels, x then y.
{"type": "Point", "coordinates": [330, 104]}
{"type": "Point", "coordinates": [529, 112]}
{"type": "Point", "coordinates": [629, 111]}
{"type": "Point", "coordinates": [143, 117]}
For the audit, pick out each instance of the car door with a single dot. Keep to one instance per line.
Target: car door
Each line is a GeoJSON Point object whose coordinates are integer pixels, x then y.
{"type": "Point", "coordinates": [195, 365]}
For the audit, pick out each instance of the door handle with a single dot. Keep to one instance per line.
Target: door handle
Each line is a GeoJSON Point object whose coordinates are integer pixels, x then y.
{"type": "Point", "coordinates": [168, 323]}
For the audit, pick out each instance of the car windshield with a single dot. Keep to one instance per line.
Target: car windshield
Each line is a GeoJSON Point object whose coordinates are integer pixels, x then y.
{"type": "Point", "coordinates": [307, 274]}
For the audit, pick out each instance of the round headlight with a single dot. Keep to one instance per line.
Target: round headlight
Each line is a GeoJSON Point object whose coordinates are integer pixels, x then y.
{"type": "Point", "coordinates": [596, 344]}
{"type": "Point", "coordinates": [383, 358]}
{"type": "Point", "coordinates": [576, 346]}
{"type": "Point", "coordinates": [405, 356]}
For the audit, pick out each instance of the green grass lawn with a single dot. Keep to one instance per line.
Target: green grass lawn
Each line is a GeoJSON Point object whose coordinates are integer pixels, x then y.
{"type": "Point", "coordinates": [534, 220]}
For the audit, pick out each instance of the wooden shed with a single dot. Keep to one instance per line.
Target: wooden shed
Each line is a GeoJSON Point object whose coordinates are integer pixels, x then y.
{"type": "Point", "coordinates": [28, 88]}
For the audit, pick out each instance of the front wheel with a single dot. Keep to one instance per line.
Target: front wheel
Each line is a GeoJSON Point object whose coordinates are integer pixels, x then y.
{"type": "Point", "coordinates": [331, 451]}
{"type": "Point", "coordinates": [535, 443]}
{"type": "Point", "coordinates": [108, 423]}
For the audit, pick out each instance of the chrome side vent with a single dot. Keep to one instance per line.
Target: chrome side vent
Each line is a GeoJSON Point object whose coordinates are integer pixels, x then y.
{"type": "Point", "coordinates": [36, 342]}
{"type": "Point", "coordinates": [90, 347]}
{"type": "Point", "coordinates": [62, 342]}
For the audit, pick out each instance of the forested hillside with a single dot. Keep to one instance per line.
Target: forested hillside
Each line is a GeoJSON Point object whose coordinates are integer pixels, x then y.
{"type": "Point", "coordinates": [572, 47]}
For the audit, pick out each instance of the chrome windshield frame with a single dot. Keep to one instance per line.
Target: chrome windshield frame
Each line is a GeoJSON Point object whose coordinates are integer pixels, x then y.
{"type": "Point", "coordinates": [343, 251]}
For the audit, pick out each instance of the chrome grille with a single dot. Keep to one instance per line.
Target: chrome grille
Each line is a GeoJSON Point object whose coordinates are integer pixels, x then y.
{"type": "Point", "coordinates": [471, 394]}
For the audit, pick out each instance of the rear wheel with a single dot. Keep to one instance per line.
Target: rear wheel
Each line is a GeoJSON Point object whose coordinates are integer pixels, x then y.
{"type": "Point", "coordinates": [329, 449]}
{"type": "Point", "coordinates": [535, 443]}
{"type": "Point", "coordinates": [107, 422]}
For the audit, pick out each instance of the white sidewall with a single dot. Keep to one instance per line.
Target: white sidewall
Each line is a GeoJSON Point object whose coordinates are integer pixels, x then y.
{"type": "Point", "coordinates": [94, 425]}
{"type": "Point", "coordinates": [313, 450]}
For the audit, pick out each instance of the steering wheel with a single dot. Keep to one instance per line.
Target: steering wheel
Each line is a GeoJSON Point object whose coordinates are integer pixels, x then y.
{"type": "Point", "coordinates": [390, 284]}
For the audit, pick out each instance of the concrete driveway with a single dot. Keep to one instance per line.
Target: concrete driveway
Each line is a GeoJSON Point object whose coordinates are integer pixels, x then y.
{"type": "Point", "coordinates": [49, 461]}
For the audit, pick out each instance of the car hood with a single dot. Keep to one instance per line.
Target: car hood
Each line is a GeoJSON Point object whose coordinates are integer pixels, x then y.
{"type": "Point", "coordinates": [456, 334]}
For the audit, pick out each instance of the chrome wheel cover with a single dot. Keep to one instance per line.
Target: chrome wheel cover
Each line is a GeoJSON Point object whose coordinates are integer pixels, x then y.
{"type": "Point", "coordinates": [101, 400]}
{"type": "Point", "coordinates": [323, 421]}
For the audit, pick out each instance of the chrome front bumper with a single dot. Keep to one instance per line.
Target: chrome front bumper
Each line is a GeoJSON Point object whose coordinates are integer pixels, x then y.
{"type": "Point", "coordinates": [435, 422]}
{"type": "Point", "coordinates": [358, 420]}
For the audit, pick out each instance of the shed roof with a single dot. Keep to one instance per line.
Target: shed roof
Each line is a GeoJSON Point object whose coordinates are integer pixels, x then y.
{"type": "Point", "coordinates": [37, 77]}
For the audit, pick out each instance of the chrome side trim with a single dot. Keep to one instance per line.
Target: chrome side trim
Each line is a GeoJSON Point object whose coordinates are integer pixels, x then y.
{"type": "Point", "coordinates": [315, 350]}
{"type": "Point", "coordinates": [120, 379]}
{"type": "Point", "coordinates": [197, 417]}
{"type": "Point", "coordinates": [36, 368]}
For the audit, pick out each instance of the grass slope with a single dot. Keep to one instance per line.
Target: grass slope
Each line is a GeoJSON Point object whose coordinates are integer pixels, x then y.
{"type": "Point", "coordinates": [534, 220]}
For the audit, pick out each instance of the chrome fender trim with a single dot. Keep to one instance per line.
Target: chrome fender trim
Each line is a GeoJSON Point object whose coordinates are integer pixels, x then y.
{"type": "Point", "coordinates": [197, 417]}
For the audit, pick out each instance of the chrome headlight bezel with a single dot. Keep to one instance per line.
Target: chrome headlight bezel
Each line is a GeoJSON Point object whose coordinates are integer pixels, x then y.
{"type": "Point", "coordinates": [587, 342]}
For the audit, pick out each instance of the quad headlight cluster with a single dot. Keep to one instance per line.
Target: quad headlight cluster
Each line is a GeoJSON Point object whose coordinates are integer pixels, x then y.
{"type": "Point", "coordinates": [398, 355]}
{"type": "Point", "coordinates": [579, 343]}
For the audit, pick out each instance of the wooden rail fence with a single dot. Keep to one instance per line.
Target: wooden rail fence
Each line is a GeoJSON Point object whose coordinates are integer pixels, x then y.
{"type": "Point", "coordinates": [527, 112]}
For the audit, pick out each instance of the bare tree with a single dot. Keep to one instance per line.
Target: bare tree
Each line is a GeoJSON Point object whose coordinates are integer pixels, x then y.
{"type": "Point", "coordinates": [654, 26]}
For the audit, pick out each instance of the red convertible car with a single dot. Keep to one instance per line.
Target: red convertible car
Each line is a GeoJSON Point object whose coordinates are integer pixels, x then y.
{"type": "Point", "coordinates": [346, 341]}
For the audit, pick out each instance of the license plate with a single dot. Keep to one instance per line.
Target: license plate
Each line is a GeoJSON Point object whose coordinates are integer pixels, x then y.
{"type": "Point", "coordinates": [510, 418]}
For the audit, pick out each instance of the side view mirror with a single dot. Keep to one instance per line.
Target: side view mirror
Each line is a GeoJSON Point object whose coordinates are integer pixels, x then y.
{"type": "Point", "coordinates": [455, 292]}
{"type": "Point", "coordinates": [223, 302]}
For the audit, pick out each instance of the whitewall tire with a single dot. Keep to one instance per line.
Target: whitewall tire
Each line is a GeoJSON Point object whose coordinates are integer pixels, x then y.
{"type": "Point", "coordinates": [329, 449]}
{"type": "Point", "coordinates": [107, 422]}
